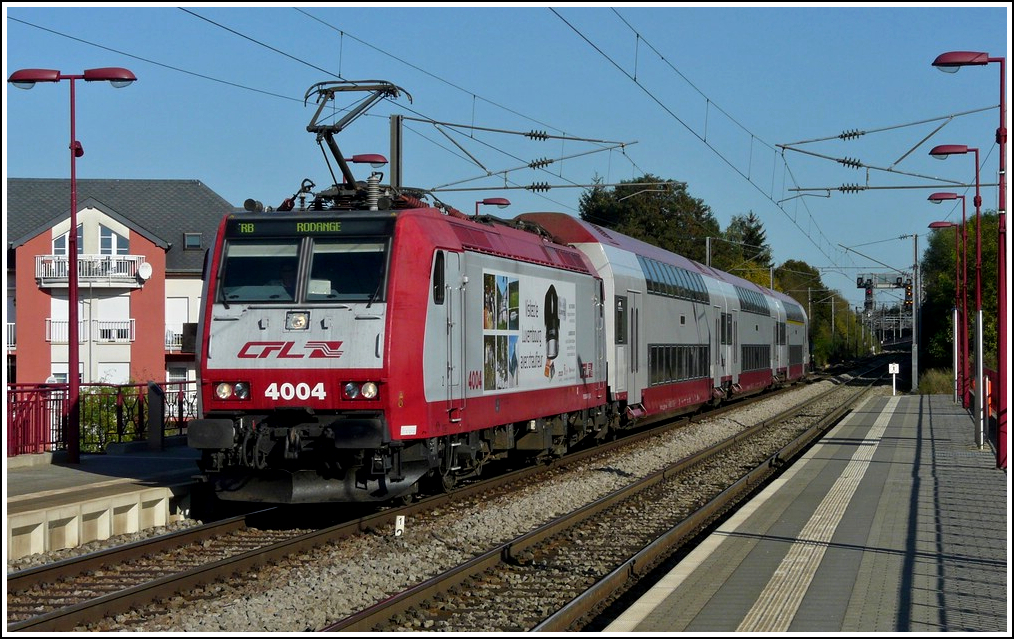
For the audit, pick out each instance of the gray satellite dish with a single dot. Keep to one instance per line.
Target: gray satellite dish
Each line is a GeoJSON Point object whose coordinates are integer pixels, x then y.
{"type": "Point", "coordinates": [144, 271]}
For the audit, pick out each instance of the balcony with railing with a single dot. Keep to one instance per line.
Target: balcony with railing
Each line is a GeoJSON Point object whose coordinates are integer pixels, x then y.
{"type": "Point", "coordinates": [173, 340]}
{"type": "Point", "coordinates": [107, 331]}
{"type": "Point", "coordinates": [111, 271]}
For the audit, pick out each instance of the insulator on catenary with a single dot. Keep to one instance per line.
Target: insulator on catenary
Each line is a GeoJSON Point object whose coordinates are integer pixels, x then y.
{"type": "Point", "coordinates": [851, 135]}
{"type": "Point", "coordinates": [539, 186]}
{"type": "Point", "coordinates": [851, 188]}
{"type": "Point", "coordinates": [855, 164]}
{"type": "Point", "coordinates": [537, 135]}
{"type": "Point", "coordinates": [538, 164]}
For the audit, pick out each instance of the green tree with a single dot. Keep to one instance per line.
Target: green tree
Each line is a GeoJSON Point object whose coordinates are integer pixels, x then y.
{"type": "Point", "coordinates": [797, 279]}
{"type": "Point", "coordinates": [938, 286]}
{"type": "Point", "coordinates": [660, 212]}
{"type": "Point", "coordinates": [748, 233]}
{"type": "Point", "coordinates": [742, 250]}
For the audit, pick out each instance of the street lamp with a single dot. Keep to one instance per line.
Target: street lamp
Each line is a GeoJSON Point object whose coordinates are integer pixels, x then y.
{"type": "Point", "coordinates": [961, 292]}
{"type": "Point", "coordinates": [499, 202]}
{"type": "Point", "coordinates": [950, 62]}
{"type": "Point", "coordinates": [373, 159]}
{"type": "Point", "coordinates": [942, 152]}
{"type": "Point", "coordinates": [26, 79]}
{"type": "Point", "coordinates": [958, 377]}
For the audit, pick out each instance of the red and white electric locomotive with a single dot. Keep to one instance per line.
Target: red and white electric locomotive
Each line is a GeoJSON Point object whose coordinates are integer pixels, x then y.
{"type": "Point", "coordinates": [406, 344]}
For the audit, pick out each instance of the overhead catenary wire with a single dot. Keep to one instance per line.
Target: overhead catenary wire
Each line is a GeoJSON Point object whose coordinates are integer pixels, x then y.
{"type": "Point", "coordinates": [701, 137]}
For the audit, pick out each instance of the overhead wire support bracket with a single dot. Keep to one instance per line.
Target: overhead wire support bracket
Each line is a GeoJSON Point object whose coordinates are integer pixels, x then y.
{"type": "Point", "coordinates": [540, 135]}
{"type": "Point", "coordinates": [534, 164]}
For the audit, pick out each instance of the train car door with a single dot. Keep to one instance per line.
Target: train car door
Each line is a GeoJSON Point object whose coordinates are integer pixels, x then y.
{"type": "Point", "coordinates": [635, 365]}
{"type": "Point", "coordinates": [621, 325]}
{"type": "Point", "coordinates": [721, 339]}
{"type": "Point", "coordinates": [449, 297]}
{"type": "Point", "coordinates": [600, 334]}
{"type": "Point", "coordinates": [737, 365]}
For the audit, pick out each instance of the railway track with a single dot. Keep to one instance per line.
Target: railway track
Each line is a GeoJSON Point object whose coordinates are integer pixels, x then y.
{"type": "Point", "coordinates": [88, 592]}
{"type": "Point", "coordinates": [554, 578]}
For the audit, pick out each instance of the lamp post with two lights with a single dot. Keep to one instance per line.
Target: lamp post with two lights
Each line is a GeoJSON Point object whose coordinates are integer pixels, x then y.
{"type": "Point", "coordinates": [26, 79]}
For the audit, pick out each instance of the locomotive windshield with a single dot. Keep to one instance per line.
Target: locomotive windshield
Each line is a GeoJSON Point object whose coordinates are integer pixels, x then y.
{"type": "Point", "coordinates": [347, 269]}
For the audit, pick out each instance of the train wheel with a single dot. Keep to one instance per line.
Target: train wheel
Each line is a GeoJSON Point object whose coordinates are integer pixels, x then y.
{"type": "Point", "coordinates": [448, 482]}
{"type": "Point", "coordinates": [438, 482]}
{"type": "Point", "coordinates": [404, 500]}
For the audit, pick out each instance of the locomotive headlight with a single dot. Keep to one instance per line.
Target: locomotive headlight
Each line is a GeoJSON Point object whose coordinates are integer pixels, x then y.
{"type": "Point", "coordinates": [233, 390]}
{"type": "Point", "coordinates": [352, 390]}
{"type": "Point", "coordinates": [356, 390]}
{"type": "Point", "coordinates": [297, 320]}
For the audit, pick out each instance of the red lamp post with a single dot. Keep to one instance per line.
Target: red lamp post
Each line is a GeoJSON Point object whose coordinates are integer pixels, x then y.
{"type": "Point", "coordinates": [499, 202]}
{"type": "Point", "coordinates": [961, 293]}
{"type": "Point", "coordinates": [951, 62]}
{"type": "Point", "coordinates": [942, 152]}
{"type": "Point", "coordinates": [26, 79]}
{"type": "Point", "coordinates": [959, 371]}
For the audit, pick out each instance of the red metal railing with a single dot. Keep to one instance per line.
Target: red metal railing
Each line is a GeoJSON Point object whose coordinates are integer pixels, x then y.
{"type": "Point", "coordinates": [109, 413]}
{"type": "Point", "coordinates": [35, 418]}
{"type": "Point", "coordinates": [992, 391]}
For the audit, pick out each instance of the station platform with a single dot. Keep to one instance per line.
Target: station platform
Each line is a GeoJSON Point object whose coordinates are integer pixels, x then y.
{"type": "Point", "coordinates": [52, 505]}
{"type": "Point", "coordinates": [895, 522]}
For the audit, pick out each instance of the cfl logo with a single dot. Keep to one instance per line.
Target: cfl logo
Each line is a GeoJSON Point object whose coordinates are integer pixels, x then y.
{"type": "Point", "coordinates": [283, 350]}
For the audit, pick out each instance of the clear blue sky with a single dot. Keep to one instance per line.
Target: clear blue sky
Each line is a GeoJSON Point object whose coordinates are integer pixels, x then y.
{"type": "Point", "coordinates": [707, 95]}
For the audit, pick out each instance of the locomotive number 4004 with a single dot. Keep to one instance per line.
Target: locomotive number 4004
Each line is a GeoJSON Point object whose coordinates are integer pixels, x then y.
{"type": "Point", "coordinates": [301, 390]}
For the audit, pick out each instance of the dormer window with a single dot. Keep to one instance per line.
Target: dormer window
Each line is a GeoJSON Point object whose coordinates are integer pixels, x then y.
{"type": "Point", "coordinates": [60, 243]}
{"type": "Point", "coordinates": [191, 241]}
{"type": "Point", "coordinates": [111, 242]}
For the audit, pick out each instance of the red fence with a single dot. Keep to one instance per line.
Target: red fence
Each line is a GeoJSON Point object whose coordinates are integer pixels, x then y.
{"type": "Point", "coordinates": [992, 390]}
{"type": "Point", "coordinates": [37, 414]}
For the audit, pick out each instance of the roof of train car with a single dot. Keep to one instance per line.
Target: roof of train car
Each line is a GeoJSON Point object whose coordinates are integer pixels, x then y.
{"type": "Point", "coordinates": [498, 237]}
{"type": "Point", "coordinates": [568, 229]}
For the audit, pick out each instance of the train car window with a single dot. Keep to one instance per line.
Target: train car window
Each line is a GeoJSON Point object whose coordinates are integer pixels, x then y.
{"type": "Point", "coordinates": [621, 319]}
{"type": "Point", "coordinates": [682, 279]}
{"type": "Point", "coordinates": [347, 270]}
{"type": "Point", "coordinates": [663, 279]}
{"type": "Point", "coordinates": [654, 364]}
{"type": "Point", "coordinates": [438, 278]}
{"type": "Point", "coordinates": [654, 280]}
{"type": "Point", "coordinates": [260, 271]}
{"type": "Point", "coordinates": [646, 272]}
{"type": "Point", "coordinates": [664, 286]}
{"type": "Point", "coordinates": [671, 282]}
{"type": "Point", "coordinates": [702, 289]}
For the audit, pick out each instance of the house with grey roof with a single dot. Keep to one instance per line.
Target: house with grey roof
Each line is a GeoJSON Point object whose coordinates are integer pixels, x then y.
{"type": "Point", "coordinates": [141, 246]}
